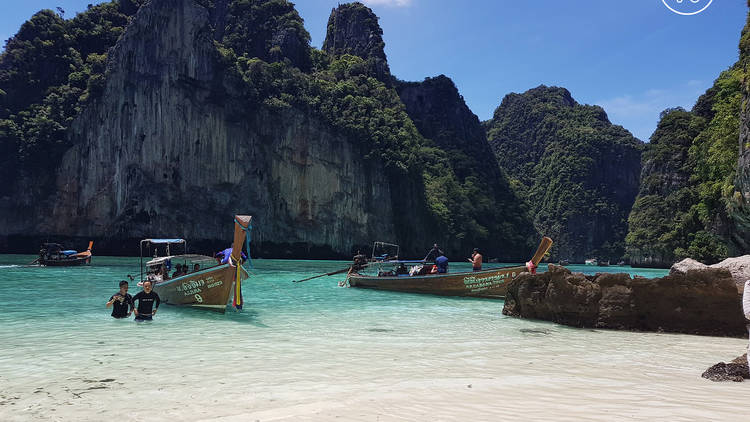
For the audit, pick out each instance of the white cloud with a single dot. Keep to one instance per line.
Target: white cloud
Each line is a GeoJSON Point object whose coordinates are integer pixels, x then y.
{"type": "Point", "coordinates": [639, 113]}
{"type": "Point", "coordinates": [389, 3]}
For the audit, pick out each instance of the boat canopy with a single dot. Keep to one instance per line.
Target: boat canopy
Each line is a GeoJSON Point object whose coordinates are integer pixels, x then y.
{"type": "Point", "coordinates": [194, 258]}
{"type": "Point", "coordinates": [163, 241]}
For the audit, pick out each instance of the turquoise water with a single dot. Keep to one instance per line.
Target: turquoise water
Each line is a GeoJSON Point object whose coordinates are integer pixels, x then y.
{"type": "Point", "coordinates": [316, 351]}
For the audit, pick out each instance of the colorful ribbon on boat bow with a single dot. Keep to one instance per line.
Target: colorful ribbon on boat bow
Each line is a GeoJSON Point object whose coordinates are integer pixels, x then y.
{"type": "Point", "coordinates": [531, 267]}
{"type": "Point", "coordinates": [237, 301]}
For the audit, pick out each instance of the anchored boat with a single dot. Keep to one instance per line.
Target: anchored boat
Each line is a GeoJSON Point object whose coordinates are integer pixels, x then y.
{"type": "Point", "coordinates": [490, 283]}
{"type": "Point", "coordinates": [54, 255]}
{"type": "Point", "coordinates": [205, 283]}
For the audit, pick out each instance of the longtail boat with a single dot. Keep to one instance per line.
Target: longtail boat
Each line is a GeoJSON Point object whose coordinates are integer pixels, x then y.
{"type": "Point", "coordinates": [491, 283]}
{"type": "Point", "coordinates": [206, 283]}
{"type": "Point", "coordinates": [54, 255]}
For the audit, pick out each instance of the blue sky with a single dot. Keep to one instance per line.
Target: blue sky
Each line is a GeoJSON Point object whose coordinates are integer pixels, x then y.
{"type": "Point", "coordinates": [634, 58]}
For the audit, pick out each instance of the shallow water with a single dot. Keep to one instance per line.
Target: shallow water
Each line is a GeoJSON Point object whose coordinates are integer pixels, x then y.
{"type": "Point", "coordinates": [315, 351]}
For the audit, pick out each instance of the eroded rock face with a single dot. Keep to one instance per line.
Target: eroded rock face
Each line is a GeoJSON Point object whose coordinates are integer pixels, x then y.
{"type": "Point", "coordinates": [441, 115]}
{"type": "Point", "coordinates": [738, 266]}
{"type": "Point", "coordinates": [164, 153]}
{"type": "Point", "coordinates": [353, 29]}
{"type": "Point", "coordinates": [699, 301]}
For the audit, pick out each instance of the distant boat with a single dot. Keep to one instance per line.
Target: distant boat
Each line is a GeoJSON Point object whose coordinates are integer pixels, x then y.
{"type": "Point", "coordinates": [603, 263]}
{"type": "Point", "coordinates": [207, 288]}
{"type": "Point", "coordinates": [591, 261]}
{"type": "Point", "coordinates": [564, 262]}
{"type": "Point", "coordinates": [620, 263]}
{"type": "Point", "coordinates": [492, 283]}
{"type": "Point", "coordinates": [54, 255]}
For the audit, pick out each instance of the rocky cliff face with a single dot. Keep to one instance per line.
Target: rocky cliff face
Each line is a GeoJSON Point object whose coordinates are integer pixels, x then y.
{"type": "Point", "coordinates": [353, 29]}
{"type": "Point", "coordinates": [578, 172]}
{"type": "Point", "coordinates": [741, 215]}
{"type": "Point", "coordinates": [163, 152]}
{"type": "Point", "coordinates": [441, 115]}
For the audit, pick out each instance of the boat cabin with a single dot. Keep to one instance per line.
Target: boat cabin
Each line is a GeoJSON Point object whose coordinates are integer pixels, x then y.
{"type": "Point", "coordinates": [170, 266]}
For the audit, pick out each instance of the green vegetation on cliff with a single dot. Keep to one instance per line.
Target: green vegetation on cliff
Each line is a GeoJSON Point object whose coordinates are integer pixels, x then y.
{"type": "Point", "coordinates": [687, 187]}
{"type": "Point", "coordinates": [48, 71]}
{"type": "Point", "coordinates": [577, 171]}
{"type": "Point", "coordinates": [53, 68]}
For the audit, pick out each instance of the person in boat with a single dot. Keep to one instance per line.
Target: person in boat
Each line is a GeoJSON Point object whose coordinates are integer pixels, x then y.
{"type": "Point", "coordinates": [196, 268]}
{"type": "Point", "coordinates": [401, 269]}
{"type": "Point", "coordinates": [433, 253]}
{"type": "Point", "coordinates": [148, 302]}
{"type": "Point", "coordinates": [121, 302]}
{"type": "Point", "coordinates": [441, 264]}
{"type": "Point", "coordinates": [177, 271]}
{"type": "Point", "coordinates": [476, 260]}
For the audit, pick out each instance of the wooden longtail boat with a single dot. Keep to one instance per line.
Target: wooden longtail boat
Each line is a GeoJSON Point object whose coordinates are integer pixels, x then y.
{"type": "Point", "coordinates": [209, 287]}
{"type": "Point", "coordinates": [53, 255]}
{"type": "Point", "coordinates": [490, 283]}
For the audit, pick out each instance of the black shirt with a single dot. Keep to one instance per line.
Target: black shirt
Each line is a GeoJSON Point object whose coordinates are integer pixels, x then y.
{"type": "Point", "coordinates": [120, 309]}
{"type": "Point", "coordinates": [146, 302]}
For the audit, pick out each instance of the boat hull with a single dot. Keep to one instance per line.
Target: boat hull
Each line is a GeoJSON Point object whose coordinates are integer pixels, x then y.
{"type": "Point", "coordinates": [487, 283]}
{"type": "Point", "coordinates": [208, 289]}
{"type": "Point", "coordinates": [72, 262]}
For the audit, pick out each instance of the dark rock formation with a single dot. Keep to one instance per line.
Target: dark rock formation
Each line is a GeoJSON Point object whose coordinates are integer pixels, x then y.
{"type": "Point", "coordinates": [701, 302]}
{"type": "Point", "coordinates": [739, 267]}
{"type": "Point", "coordinates": [735, 370]}
{"type": "Point", "coordinates": [353, 29]}
{"type": "Point", "coordinates": [579, 172]}
{"type": "Point", "coordinates": [441, 115]}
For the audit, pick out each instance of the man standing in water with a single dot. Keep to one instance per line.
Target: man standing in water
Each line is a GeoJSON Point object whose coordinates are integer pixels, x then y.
{"type": "Point", "coordinates": [121, 301]}
{"type": "Point", "coordinates": [476, 260]}
{"type": "Point", "coordinates": [148, 303]}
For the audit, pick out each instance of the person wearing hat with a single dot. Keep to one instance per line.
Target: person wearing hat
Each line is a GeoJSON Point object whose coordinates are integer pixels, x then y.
{"type": "Point", "coordinates": [476, 260]}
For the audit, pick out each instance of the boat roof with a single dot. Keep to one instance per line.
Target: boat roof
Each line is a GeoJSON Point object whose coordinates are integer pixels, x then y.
{"type": "Point", "coordinates": [163, 241]}
{"type": "Point", "coordinates": [195, 258]}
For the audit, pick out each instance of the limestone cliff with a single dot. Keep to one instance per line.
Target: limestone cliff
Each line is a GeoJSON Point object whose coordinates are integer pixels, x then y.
{"type": "Point", "coordinates": [441, 115]}
{"type": "Point", "coordinates": [741, 213]}
{"type": "Point", "coordinates": [578, 172]}
{"type": "Point", "coordinates": [353, 29]}
{"type": "Point", "coordinates": [163, 152]}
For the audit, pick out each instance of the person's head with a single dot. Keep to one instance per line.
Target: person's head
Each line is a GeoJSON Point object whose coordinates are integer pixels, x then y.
{"type": "Point", "coordinates": [123, 287]}
{"type": "Point", "coordinates": [435, 245]}
{"type": "Point", "coordinates": [196, 267]}
{"type": "Point", "coordinates": [147, 286]}
{"type": "Point", "coordinates": [476, 250]}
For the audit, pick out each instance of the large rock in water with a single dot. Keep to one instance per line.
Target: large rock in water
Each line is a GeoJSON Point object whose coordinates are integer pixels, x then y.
{"type": "Point", "coordinates": [701, 301]}
{"type": "Point", "coordinates": [735, 370]}
{"type": "Point", "coordinates": [739, 267]}
{"type": "Point", "coordinates": [163, 153]}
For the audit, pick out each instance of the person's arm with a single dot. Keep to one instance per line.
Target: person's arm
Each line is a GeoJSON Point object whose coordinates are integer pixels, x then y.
{"type": "Point", "coordinates": [111, 301]}
{"type": "Point", "coordinates": [156, 303]}
{"type": "Point", "coordinates": [746, 300]}
{"type": "Point", "coordinates": [131, 305]}
{"type": "Point", "coordinates": [136, 297]}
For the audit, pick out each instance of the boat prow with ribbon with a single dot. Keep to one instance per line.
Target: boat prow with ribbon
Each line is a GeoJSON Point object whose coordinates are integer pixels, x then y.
{"type": "Point", "coordinates": [490, 283]}
{"type": "Point", "coordinates": [206, 282]}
